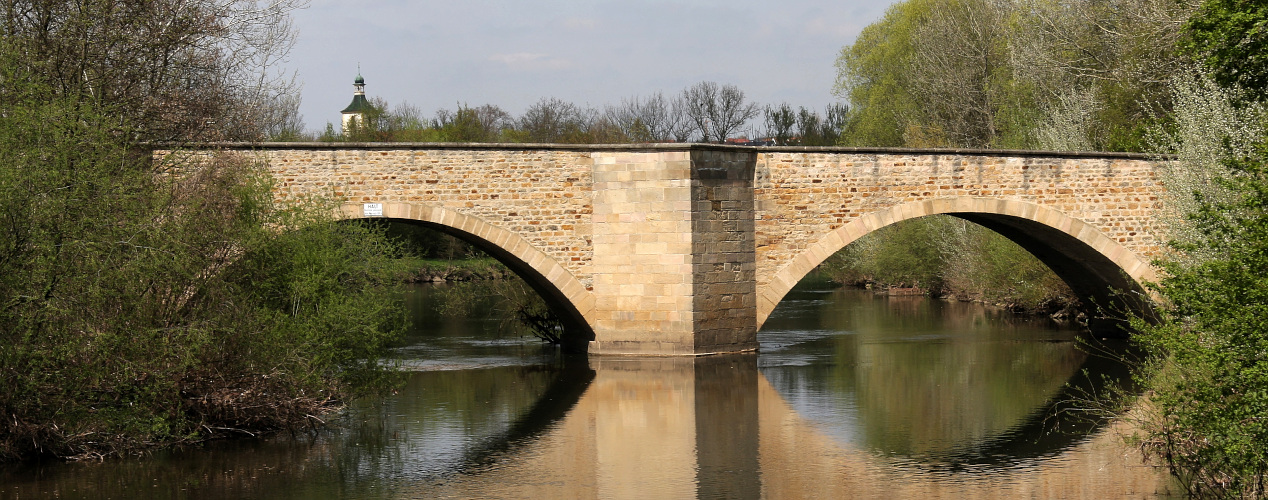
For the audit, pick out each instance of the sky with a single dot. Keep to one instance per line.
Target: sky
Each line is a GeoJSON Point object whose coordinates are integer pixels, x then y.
{"type": "Point", "coordinates": [513, 53]}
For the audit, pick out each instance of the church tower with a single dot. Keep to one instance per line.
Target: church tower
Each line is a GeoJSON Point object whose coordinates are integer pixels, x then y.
{"type": "Point", "coordinates": [354, 114]}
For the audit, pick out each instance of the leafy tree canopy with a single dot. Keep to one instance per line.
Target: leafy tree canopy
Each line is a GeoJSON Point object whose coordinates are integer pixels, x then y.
{"type": "Point", "coordinates": [1230, 37]}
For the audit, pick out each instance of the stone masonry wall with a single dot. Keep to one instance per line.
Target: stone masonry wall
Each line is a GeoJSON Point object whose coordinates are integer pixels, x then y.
{"type": "Point", "coordinates": [723, 248]}
{"type": "Point", "coordinates": [541, 195]}
{"type": "Point", "coordinates": [643, 253]}
{"type": "Point", "coordinates": [801, 196]}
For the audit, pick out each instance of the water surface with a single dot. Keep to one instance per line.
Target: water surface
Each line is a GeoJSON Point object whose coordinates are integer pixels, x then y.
{"type": "Point", "coordinates": [852, 395]}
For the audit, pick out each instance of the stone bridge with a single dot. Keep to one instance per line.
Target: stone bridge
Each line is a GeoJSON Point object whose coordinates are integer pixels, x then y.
{"type": "Point", "coordinates": [670, 249]}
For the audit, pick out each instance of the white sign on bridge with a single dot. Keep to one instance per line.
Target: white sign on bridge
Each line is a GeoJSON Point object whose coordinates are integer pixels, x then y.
{"type": "Point", "coordinates": [372, 210]}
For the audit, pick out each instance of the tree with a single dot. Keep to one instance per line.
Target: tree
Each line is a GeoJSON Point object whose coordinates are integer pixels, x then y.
{"type": "Point", "coordinates": [959, 74]}
{"type": "Point", "coordinates": [280, 119]}
{"type": "Point", "coordinates": [935, 74]}
{"type": "Point", "coordinates": [814, 130]}
{"type": "Point", "coordinates": [654, 119]}
{"type": "Point", "coordinates": [138, 308]}
{"type": "Point", "coordinates": [1018, 74]}
{"type": "Point", "coordinates": [1205, 370]}
{"type": "Point", "coordinates": [1209, 127]}
{"type": "Point", "coordinates": [873, 75]}
{"type": "Point", "coordinates": [202, 69]}
{"type": "Point", "coordinates": [552, 120]}
{"type": "Point", "coordinates": [602, 130]}
{"type": "Point", "coordinates": [804, 127]}
{"type": "Point", "coordinates": [148, 301]}
{"type": "Point", "coordinates": [717, 111]}
{"type": "Point", "coordinates": [1231, 39]}
{"type": "Point", "coordinates": [485, 123]}
{"type": "Point", "coordinates": [1101, 69]}
{"type": "Point", "coordinates": [406, 123]}
{"type": "Point", "coordinates": [779, 123]}
{"type": "Point", "coordinates": [681, 127]}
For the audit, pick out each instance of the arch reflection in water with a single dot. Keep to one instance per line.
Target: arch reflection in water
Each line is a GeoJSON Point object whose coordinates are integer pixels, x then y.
{"type": "Point", "coordinates": [843, 401]}
{"type": "Point", "coordinates": [938, 382]}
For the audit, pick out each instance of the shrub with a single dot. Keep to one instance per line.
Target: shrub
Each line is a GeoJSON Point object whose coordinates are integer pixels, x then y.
{"type": "Point", "coordinates": [143, 304]}
{"type": "Point", "coordinates": [1208, 371]}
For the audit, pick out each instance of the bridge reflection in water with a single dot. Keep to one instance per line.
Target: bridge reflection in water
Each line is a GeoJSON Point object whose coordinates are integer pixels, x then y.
{"type": "Point", "coordinates": [715, 427]}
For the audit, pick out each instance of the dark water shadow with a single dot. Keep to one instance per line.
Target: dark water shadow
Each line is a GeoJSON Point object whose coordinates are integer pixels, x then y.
{"type": "Point", "coordinates": [570, 382]}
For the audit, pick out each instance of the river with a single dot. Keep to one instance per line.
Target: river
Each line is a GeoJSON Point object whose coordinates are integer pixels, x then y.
{"type": "Point", "coordinates": [852, 395]}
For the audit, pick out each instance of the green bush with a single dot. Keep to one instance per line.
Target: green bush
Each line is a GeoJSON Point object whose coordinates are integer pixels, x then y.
{"type": "Point", "coordinates": [1207, 377]}
{"type": "Point", "coordinates": [144, 303]}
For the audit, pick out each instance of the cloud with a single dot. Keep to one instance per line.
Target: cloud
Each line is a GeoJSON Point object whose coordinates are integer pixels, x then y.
{"type": "Point", "coordinates": [530, 61]}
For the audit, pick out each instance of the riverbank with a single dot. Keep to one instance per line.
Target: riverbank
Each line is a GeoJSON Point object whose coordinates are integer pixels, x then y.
{"type": "Point", "coordinates": [1058, 306]}
{"type": "Point", "coordinates": [419, 270]}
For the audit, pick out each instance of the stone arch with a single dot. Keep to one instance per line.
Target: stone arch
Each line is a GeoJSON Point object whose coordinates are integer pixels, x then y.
{"type": "Point", "coordinates": [566, 295]}
{"type": "Point", "coordinates": [1093, 264]}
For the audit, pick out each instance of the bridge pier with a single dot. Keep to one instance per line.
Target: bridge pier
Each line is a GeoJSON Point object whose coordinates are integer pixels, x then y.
{"type": "Point", "coordinates": [674, 261]}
